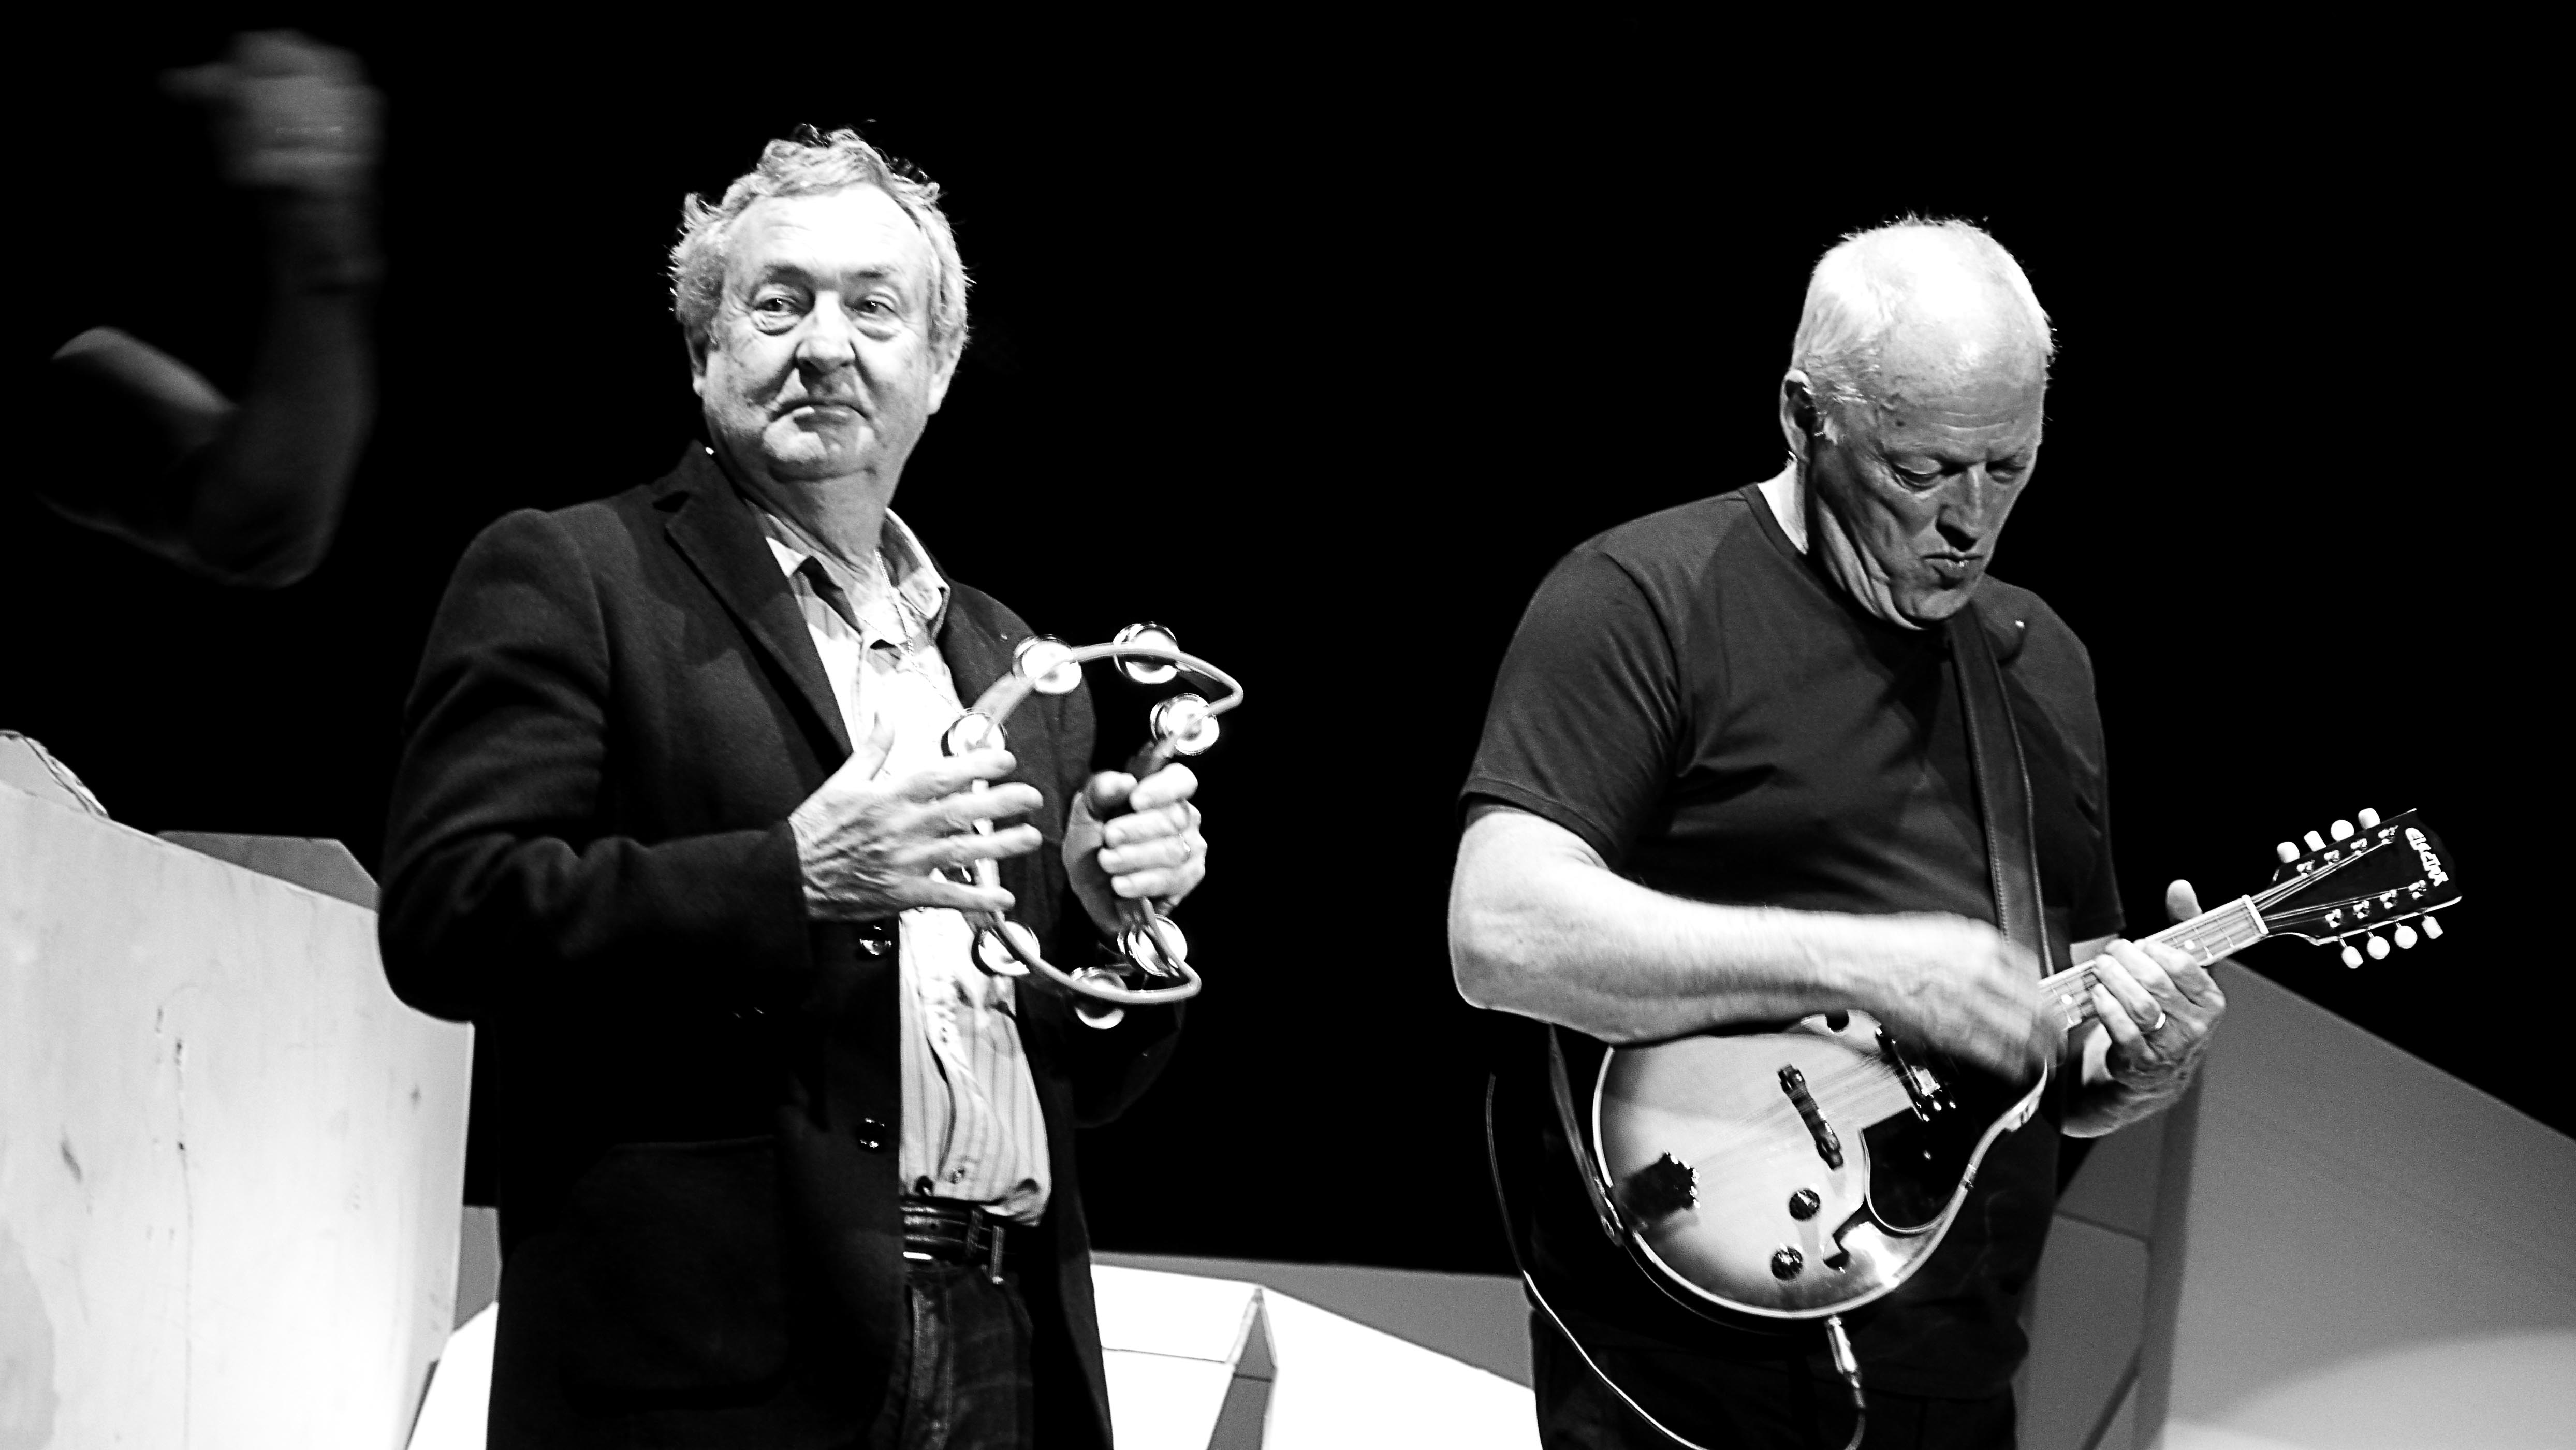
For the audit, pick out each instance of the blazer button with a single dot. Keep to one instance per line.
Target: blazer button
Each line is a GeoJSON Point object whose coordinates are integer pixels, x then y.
{"type": "Point", "coordinates": [871, 1133]}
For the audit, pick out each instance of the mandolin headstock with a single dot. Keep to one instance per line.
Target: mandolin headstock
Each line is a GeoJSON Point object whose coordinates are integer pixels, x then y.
{"type": "Point", "coordinates": [2359, 879]}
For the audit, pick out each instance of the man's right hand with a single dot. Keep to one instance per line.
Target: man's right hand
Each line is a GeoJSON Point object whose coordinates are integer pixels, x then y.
{"type": "Point", "coordinates": [1961, 987]}
{"type": "Point", "coordinates": [872, 848]}
{"type": "Point", "coordinates": [289, 112]}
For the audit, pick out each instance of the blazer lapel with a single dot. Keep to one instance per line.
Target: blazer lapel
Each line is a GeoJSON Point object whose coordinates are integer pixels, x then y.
{"type": "Point", "coordinates": [713, 530]}
{"type": "Point", "coordinates": [975, 655]}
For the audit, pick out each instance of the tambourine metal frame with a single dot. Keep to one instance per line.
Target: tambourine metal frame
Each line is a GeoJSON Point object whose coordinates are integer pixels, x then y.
{"type": "Point", "coordinates": [1152, 944]}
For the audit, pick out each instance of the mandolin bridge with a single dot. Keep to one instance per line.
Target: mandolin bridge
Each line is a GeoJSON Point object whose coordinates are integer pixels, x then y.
{"type": "Point", "coordinates": [1828, 1146]}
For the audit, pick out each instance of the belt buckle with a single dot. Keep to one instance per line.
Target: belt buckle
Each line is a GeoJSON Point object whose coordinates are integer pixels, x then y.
{"type": "Point", "coordinates": [994, 1262]}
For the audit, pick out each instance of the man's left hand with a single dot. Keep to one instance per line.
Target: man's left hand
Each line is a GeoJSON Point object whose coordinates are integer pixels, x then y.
{"type": "Point", "coordinates": [2158, 1004]}
{"type": "Point", "coordinates": [1152, 852]}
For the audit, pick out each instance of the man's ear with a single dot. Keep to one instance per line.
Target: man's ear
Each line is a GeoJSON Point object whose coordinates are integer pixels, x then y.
{"type": "Point", "coordinates": [1799, 422]}
{"type": "Point", "coordinates": [697, 349]}
{"type": "Point", "coordinates": [947, 373]}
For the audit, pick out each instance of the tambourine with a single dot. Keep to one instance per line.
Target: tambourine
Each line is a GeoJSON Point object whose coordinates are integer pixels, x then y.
{"type": "Point", "coordinates": [1154, 950]}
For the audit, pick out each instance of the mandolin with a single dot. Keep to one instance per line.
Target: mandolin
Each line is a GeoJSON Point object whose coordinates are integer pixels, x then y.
{"type": "Point", "coordinates": [1791, 1175]}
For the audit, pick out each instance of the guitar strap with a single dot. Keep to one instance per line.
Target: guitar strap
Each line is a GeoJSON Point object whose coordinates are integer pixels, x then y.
{"type": "Point", "coordinates": [2003, 783]}
{"type": "Point", "coordinates": [2012, 858]}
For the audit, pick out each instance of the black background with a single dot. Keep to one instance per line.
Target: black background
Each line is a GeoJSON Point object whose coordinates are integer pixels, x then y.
{"type": "Point", "coordinates": [1323, 364]}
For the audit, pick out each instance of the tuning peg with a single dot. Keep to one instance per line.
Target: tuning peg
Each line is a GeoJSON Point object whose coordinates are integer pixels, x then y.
{"type": "Point", "coordinates": [2351, 955]}
{"type": "Point", "coordinates": [2378, 947]}
{"type": "Point", "coordinates": [2315, 841]}
{"type": "Point", "coordinates": [2405, 936]}
{"type": "Point", "coordinates": [2369, 818]}
{"type": "Point", "coordinates": [2432, 929]}
{"type": "Point", "coordinates": [2340, 830]}
{"type": "Point", "coordinates": [2288, 851]}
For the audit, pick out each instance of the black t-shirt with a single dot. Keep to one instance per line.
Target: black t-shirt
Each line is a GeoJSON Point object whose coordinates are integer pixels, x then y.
{"type": "Point", "coordinates": [1693, 698]}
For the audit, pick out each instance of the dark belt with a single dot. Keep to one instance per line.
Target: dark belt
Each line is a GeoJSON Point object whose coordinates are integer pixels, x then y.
{"type": "Point", "coordinates": [947, 1231]}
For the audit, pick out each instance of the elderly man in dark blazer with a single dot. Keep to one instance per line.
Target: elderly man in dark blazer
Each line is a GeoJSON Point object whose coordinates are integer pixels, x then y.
{"type": "Point", "coordinates": [779, 1165]}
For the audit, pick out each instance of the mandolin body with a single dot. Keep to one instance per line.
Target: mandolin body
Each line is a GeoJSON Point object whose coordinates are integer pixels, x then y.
{"type": "Point", "coordinates": [1741, 1198]}
{"type": "Point", "coordinates": [1773, 1176]}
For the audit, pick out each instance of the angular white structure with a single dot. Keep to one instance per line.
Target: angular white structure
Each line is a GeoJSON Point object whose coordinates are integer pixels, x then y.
{"type": "Point", "coordinates": [1195, 1363]}
{"type": "Point", "coordinates": [1189, 1359]}
{"type": "Point", "coordinates": [230, 1160]}
{"type": "Point", "coordinates": [2329, 1245]}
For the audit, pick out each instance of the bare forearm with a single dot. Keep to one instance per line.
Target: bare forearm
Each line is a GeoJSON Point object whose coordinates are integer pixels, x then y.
{"type": "Point", "coordinates": [270, 491]}
{"type": "Point", "coordinates": [1540, 925]}
{"type": "Point", "coordinates": [1536, 932]}
{"type": "Point", "coordinates": [246, 492]}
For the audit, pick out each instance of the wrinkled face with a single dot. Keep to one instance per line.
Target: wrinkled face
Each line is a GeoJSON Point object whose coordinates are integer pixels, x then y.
{"type": "Point", "coordinates": [819, 364]}
{"type": "Point", "coordinates": [1921, 477]}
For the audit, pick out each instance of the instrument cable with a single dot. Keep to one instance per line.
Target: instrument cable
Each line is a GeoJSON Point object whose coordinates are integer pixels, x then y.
{"type": "Point", "coordinates": [1602, 1375]}
{"type": "Point", "coordinates": [1846, 1364]}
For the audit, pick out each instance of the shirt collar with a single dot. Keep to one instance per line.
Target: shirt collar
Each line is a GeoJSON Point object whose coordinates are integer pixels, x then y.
{"type": "Point", "coordinates": [917, 590]}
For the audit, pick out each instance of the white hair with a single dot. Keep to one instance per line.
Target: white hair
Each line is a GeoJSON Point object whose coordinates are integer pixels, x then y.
{"type": "Point", "coordinates": [808, 164]}
{"type": "Point", "coordinates": [1907, 270]}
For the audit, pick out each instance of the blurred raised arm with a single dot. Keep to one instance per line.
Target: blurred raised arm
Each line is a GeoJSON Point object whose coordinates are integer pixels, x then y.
{"type": "Point", "coordinates": [248, 491]}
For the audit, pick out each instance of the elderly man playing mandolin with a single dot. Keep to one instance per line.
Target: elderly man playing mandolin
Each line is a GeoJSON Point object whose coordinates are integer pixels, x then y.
{"type": "Point", "coordinates": [1737, 772]}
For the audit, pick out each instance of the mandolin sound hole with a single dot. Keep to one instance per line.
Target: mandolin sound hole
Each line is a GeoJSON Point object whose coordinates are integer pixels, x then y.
{"type": "Point", "coordinates": [1659, 1190]}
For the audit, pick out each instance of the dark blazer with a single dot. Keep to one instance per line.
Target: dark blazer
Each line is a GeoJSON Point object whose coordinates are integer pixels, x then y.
{"type": "Point", "coordinates": [695, 1089]}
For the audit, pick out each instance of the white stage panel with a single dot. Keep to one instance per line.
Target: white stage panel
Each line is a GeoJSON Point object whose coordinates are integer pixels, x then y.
{"type": "Point", "coordinates": [229, 1159]}
{"type": "Point", "coordinates": [1175, 1345]}
{"type": "Point", "coordinates": [2353, 1249]}
{"type": "Point", "coordinates": [1345, 1386]}
{"type": "Point", "coordinates": [460, 1395]}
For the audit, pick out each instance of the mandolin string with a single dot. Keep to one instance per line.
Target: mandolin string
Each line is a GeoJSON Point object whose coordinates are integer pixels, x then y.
{"type": "Point", "coordinates": [2224, 924]}
{"type": "Point", "coordinates": [1768, 1149]}
{"type": "Point", "coordinates": [1781, 1126]}
{"type": "Point", "coordinates": [2070, 987]}
{"type": "Point", "coordinates": [2279, 890]}
{"type": "Point", "coordinates": [1773, 1119]}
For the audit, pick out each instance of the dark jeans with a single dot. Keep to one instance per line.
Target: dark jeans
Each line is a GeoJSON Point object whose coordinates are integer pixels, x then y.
{"type": "Point", "coordinates": [1728, 1406]}
{"type": "Point", "coordinates": [961, 1378]}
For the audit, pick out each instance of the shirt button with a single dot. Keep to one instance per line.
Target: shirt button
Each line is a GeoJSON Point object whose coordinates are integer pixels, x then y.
{"type": "Point", "coordinates": [956, 1175]}
{"type": "Point", "coordinates": [871, 1133]}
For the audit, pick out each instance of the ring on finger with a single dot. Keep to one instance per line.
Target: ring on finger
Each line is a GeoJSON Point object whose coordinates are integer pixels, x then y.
{"type": "Point", "coordinates": [2159, 1024]}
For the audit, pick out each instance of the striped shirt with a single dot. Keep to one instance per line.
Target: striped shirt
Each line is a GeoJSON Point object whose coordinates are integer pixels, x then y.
{"type": "Point", "coordinates": [971, 1124]}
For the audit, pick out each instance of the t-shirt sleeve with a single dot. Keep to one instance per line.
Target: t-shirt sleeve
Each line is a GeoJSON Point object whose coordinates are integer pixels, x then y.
{"type": "Point", "coordinates": [2097, 910]}
{"type": "Point", "coordinates": [1585, 709]}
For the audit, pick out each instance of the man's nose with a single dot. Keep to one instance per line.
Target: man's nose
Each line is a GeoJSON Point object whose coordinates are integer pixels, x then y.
{"type": "Point", "coordinates": [827, 341]}
{"type": "Point", "coordinates": [1968, 506]}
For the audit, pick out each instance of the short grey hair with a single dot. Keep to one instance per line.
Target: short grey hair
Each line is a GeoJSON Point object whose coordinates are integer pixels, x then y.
{"type": "Point", "coordinates": [1874, 279]}
{"type": "Point", "coordinates": [808, 164]}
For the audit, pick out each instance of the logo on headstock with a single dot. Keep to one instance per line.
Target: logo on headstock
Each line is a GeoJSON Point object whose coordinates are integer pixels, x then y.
{"type": "Point", "coordinates": [2424, 852]}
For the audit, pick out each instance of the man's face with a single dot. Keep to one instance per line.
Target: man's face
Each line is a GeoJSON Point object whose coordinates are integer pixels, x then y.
{"type": "Point", "coordinates": [819, 364]}
{"type": "Point", "coordinates": [1921, 476]}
